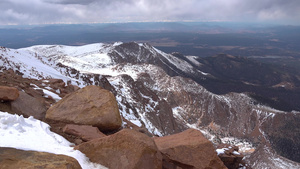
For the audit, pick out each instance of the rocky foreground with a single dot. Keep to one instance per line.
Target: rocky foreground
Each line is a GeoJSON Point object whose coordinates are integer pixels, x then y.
{"type": "Point", "coordinates": [90, 118]}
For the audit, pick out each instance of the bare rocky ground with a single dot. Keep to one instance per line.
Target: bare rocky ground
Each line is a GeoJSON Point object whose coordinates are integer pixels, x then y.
{"type": "Point", "coordinates": [116, 145]}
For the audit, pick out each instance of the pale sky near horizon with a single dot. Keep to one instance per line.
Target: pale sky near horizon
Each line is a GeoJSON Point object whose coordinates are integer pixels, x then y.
{"type": "Point", "coordinates": [14, 12]}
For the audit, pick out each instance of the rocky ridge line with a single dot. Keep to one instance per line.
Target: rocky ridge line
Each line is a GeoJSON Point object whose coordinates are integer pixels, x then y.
{"type": "Point", "coordinates": [119, 150]}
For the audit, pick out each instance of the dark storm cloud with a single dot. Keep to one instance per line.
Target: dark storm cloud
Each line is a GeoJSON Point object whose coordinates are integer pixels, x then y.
{"type": "Point", "coordinates": [83, 11]}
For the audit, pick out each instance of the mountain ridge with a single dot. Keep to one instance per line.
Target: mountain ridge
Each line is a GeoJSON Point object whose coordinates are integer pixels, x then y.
{"type": "Point", "coordinates": [153, 93]}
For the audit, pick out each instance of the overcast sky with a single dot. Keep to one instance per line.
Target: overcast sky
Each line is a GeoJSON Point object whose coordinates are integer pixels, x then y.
{"type": "Point", "coordinates": [90, 11]}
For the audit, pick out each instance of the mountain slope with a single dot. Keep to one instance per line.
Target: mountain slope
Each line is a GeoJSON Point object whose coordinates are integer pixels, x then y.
{"type": "Point", "coordinates": [153, 92]}
{"type": "Point", "coordinates": [269, 84]}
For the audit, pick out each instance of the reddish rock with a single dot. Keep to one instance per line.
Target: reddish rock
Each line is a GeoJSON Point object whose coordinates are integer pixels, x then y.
{"type": "Point", "coordinates": [56, 83]}
{"type": "Point", "coordinates": [8, 93]}
{"type": "Point", "coordinates": [29, 106]}
{"type": "Point", "coordinates": [231, 158]}
{"type": "Point", "coordinates": [11, 158]}
{"type": "Point", "coordinates": [188, 149]}
{"type": "Point", "coordinates": [40, 95]}
{"type": "Point", "coordinates": [91, 105]}
{"type": "Point", "coordinates": [126, 149]}
{"type": "Point", "coordinates": [37, 93]}
{"type": "Point", "coordinates": [85, 132]}
{"type": "Point", "coordinates": [68, 89]}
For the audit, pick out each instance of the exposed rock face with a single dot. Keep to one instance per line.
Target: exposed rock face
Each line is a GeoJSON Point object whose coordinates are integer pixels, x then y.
{"type": "Point", "coordinates": [85, 132]}
{"type": "Point", "coordinates": [145, 53]}
{"type": "Point", "coordinates": [125, 149]}
{"type": "Point", "coordinates": [129, 125]}
{"type": "Point", "coordinates": [265, 157]}
{"type": "Point", "coordinates": [193, 104]}
{"type": "Point", "coordinates": [188, 149]}
{"type": "Point", "coordinates": [230, 156]}
{"type": "Point", "coordinates": [56, 83]}
{"type": "Point", "coordinates": [284, 135]}
{"type": "Point", "coordinates": [91, 105]}
{"type": "Point", "coordinates": [146, 102]}
{"type": "Point", "coordinates": [29, 106]}
{"type": "Point", "coordinates": [8, 93]}
{"type": "Point", "coordinates": [11, 158]}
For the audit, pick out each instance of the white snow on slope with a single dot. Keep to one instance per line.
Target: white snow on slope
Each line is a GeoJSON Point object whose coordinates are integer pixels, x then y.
{"type": "Point", "coordinates": [179, 63]}
{"type": "Point", "coordinates": [193, 60]}
{"type": "Point", "coordinates": [47, 92]}
{"type": "Point", "coordinates": [29, 64]}
{"type": "Point", "coordinates": [56, 50]}
{"type": "Point", "coordinates": [92, 58]}
{"type": "Point", "coordinates": [31, 134]}
{"type": "Point", "coordinates": [92, 54]}
{"type": "Point", "coordinates": [124, 92]}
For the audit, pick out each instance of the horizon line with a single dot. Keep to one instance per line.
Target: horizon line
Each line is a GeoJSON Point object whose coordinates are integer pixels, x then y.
{"type": "Point", "coordinates": [161, 21]}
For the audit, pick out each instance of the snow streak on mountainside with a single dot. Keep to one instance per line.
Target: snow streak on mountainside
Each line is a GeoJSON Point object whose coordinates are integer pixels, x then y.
{"type": "Point", "coordinates": [149, 89]}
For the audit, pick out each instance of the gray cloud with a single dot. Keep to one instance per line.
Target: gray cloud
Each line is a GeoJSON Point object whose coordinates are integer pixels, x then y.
{"type": "Point", "coordinates": [70, 1]}
{"type": "Point", "coordinates": [83, 11]}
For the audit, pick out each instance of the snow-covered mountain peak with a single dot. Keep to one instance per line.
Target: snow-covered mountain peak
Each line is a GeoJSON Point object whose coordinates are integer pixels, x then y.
{"type": "Point", "coordinates": [99, 58]}
{"type": "Point", "coordinates": [154, 90]}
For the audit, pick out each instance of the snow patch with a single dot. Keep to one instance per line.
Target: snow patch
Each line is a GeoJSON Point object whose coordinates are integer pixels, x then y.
{"type": "Point", "coordinates": [47, 92]}
{"type": "Point", "coordinates": [193, 59]}
{"type": "Point", "coordinates": [221, 151]}
{"type": "Point", "coordinates": [244, 146]}
{"type": "Point", "coordinates": [180, 64]}
{"type": "Point", "coordinates": [32, 134]}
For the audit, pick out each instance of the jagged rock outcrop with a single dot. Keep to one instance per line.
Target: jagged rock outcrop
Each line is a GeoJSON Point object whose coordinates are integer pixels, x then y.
{"type": "Point", "coordinates": [135, 99]}
{"type": "Point", "coordinates": [124, 149]}
{"type": "Point", "coordinates": [60, 86]}
{"type": "Point", "coordinates": [188, 149]}
{"type": "Point", "coordinates": [11, 158]}
{"type": "Point", "coordinates": [85, 132]}
{"type": "Point", "coordinates": [91, 105]}
{"type": "Point", "coordinates": [8, 93]}
{"type": "Point", "coordinates": [230, 156]}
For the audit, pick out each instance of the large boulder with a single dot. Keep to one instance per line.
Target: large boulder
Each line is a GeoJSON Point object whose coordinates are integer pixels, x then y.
{"type": "Point", "coordinates": [85, 132]}
{"type": "Point", "coordinates": [8, 93]}
{"type": "Point", "coordinates": [11, 158]}
{"type": "Point", "coordinates": [188, 149]}
{"type": "Point", "coordinates": [91, 105]}
{"type": "Point", "coordinates": [29, 106]}
{"type": "Point", "coordinates": [126, 149]}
